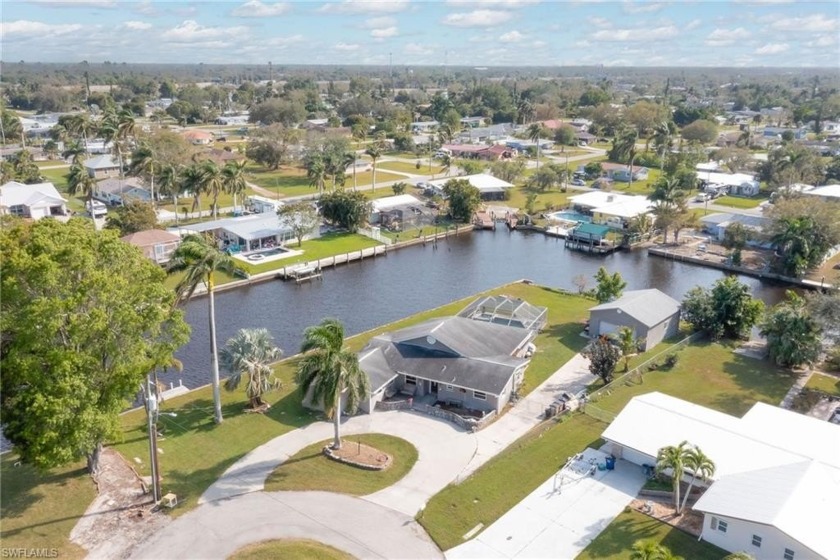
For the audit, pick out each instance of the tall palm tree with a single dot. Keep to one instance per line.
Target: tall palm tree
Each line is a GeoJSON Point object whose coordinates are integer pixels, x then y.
{"type": "Point", "coordinates": [74, 150]}
{"type": "Point", "coordinates": [328, 370]}
{"type": "Point", "coordinates": [348, 160]}
{"type": "Point", "coordinates": [674, 458]}
{"type": "Point", "coordinates": [11, 127]}
{"type": "Point", "coordinates": [316, 172]}
{"type": "Point", "coordinates": [624, 149]}
{"type": "Point", "coordinates": [193, 182]}
{"type": "Point", "coordinates": [669, 191]}
{"type": "Point", "coordinates": [250, 353]}
{"type": "Point", "coordinates": [212, 182]}
{"type": "Point", "coordinates": [144, 162]}
{"type": "Point", "coordinates": [662, 141]}
{"type": "Point", "coordinates": [535, 133]}
{"type": "Point", "coordinates": [233, 179]}
{"type": "Point", "coordinates": [793, 241]}
{"type": "Point", "coordinates": [169, 184]}
{"type": "Point", "coordinates": [79, 181]}
{"type": "Point", "coordinates": [81, 126]}
{"type": "Point", "coordinates": [646, 549]}
{"type": "Point", "coordinates": [446, 164]}
{"type": "Point", "coordinates": [200, 259]}
{"type": "Point", "coordinates": [701, 467]}
{"type": "Point", "coordinates": [374, 152]}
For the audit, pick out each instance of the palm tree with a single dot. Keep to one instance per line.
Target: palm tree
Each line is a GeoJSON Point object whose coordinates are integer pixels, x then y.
{"type": "Point", "coordinates": [143, 162]}
{"type": "Point", "coordinates": [74, 150]}
{"type": "Point", "coordinates": [316, 172]}
{"type": "Point", "coordinates": [674, 458]}
{"type": "Point", "coordinates": [374, 152]}
{"type": "Point", "coordinates": [348, 160]}
{"type": "Point", "coordinates": [624, 149]}
{"type": "Point", "coordinates": [233, 179]}
{"type": "Point", "coordinates": [169, 184]}
{"type": "Point", "coordinates": [212, 182]}
{"type": "Point", "coordinates": [662, 141]}
{"type": "Point", "coordinates": [79, 181]}
{"type": "Point", "coordinates": [446, 164]}
{"type": "Point", "coordinates": [12, 127]}
{"type": "Point", "coordinates": [535, 133]}
{"type": "Point", "coordinates": [328, 370]}
{"type": "Point", "coordinates": [200, 259]}
{"type": "Point", "coordinates": [251, 352]}
{"type": "Point", "coordinates": [193, 183]}
{"type": "Point", "coordinates": [793, 241]}
{"type": "Point", "coordinates": [80, 125]}
{"type": "Point", "coordinates": [700, 466]}
{"type": "Point", "coordinates": [646, 549]}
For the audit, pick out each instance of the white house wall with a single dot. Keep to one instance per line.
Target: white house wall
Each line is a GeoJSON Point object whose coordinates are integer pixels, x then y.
{"type": "Point", "coordinates": [739, 536]}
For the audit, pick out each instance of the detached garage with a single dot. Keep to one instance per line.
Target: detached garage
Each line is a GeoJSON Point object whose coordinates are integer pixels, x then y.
{"type": "Point", "coordinates": [651, 314]}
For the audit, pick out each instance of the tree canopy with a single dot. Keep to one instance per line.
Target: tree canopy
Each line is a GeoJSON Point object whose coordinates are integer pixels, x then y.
{"type": "Point", "coordinates": [610, 286]}
{"type": "Point", "coordinates": [603, 356]}
{"type": "Point", "coordinates": [793, 335]}
{"type": "Point", "coordinates": [301, 217]}
{"type": "Point", "coordinates": [134, 216]}
{"type": "Point", "coordinates": [346, 209]}
{"type": "Point", "coordinates": [463, 199]}
{"type": "Point", "coordinates": [84, 318]}
{"type": "Point", "coordinates": [727, 310]}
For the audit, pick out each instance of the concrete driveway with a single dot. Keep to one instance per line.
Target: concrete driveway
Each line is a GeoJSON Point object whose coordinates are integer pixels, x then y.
{"type": "Point", "coordinates": [561, 517]}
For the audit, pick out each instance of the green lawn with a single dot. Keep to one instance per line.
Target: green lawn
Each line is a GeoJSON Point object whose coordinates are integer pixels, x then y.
{"type": "Point", "coordinates": [289, 550]}
{"type": "Point", "coordinates": [506, 479]}
{"type": "Point", "coordinates": [410, 168]}
{"type": "Point", "coordinates": [40, 509]}
{"type": "Point", "coordinates": [825, 383]}
{"type": "Point", "coordinates": [310, 469]}
{"type": "Point", "coordinates": [615, 542]}
{"type": "Point", "coordinates": [292, 181]}
{"type": "Point", "coordinates": [739, 202]}
{"type": "Point", "coordinates": [315, 249]}
{"type": "Point", "coordinates": [710, 374]}
{"type": "Point", "coordinates": [553, 199]}
{"type": "Point", "coordinates": [225, 201]}
{"type": "Point", "coordinates": [58, 177]}
{"type": "Point", "coordinates": [52, 163]}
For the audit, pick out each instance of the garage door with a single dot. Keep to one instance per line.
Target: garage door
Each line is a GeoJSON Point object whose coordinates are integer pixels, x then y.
{"type": "Point", "coordinates": [608, 328]}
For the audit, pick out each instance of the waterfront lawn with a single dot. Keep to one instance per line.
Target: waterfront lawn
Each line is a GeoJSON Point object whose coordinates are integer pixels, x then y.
{"type": "Point", "coordinates": [410, 168]}
{"type": "Point", "coordinates": [506, 479]}
{"type": "Point", "coordinates": [225, 200]}
{"type": "Point", "coordinates": [546, 200]}
{"type": "Point", "coordinates": [41, 508]}
{"type": "Point", "coordinates": [826, 383]}
{"type": "Point", "coordinates": [739, 202]}
{"type": "Point", "coordinates": [315, 249]}
{"type": "Point", "coordinates": [292, 181]}
{"type": "Point", "coordinates": [616, 541]}
{"type": "Point", "coordinates": [712, 375]}
{"type": "Point", "coordinates": [288, 549]}
{"type": "Point", "coordinates": [309, 469]}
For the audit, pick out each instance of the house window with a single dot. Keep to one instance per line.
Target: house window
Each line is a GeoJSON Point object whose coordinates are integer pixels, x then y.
{"type": "Point", "coordinates": [722, 526]}
{"type": "Point", "coordinates": [410, 380]}
{"type": "Point", "coordinates": [788, 554]}
{"type": "Point", "coordinates": [756, 541]}
{"type": "Point", "coordinates": [479, 395]}
{"type": "Point", "coordinates": [449, 387]}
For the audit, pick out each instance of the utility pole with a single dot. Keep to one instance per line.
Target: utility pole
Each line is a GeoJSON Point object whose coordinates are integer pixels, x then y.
{"type": "Point", "coordinates": [151, 415]}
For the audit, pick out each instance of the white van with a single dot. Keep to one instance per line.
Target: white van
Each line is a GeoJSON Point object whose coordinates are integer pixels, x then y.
{"type": "Point", "coordinates": [96, 209]}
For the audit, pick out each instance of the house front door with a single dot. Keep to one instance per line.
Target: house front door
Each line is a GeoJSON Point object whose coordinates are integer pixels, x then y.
{"type": "Point", "coordinates": [434, 388]}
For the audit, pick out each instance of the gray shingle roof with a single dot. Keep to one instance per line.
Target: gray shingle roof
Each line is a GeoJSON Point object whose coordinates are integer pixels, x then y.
{"type": "Point", "coordinates": [649, 307]}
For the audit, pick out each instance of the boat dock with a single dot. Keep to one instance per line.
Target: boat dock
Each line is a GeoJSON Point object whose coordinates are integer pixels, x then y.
{"type": "Point", "coordinates": [302, 273]}
{"type": "Point", "coordinates": [483, 220]}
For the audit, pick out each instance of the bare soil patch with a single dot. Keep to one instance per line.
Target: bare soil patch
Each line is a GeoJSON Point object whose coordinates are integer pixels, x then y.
{"type": "Point", "coordinates": [361, 455]}
{"type": "Point", "coordinates": [121, 515]}
{"type": "Point", "coordinates": [663, 510]}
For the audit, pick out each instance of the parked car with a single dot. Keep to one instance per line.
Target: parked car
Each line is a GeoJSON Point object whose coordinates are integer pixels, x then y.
{"type": "Point", "coordinates": [702, 197]}
{"type": "Point", "coordinates": [579, 182]}
{"type": "Point", "coordinates": [96, 208]}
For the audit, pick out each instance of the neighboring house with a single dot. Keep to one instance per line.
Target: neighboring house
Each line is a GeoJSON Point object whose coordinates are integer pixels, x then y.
{"type": "Point", "coordinates": [777, 479]}
{"type": "Point", "coordinates": [777, 131]}
{"type": "Point", "coordinates": [259, 204]}
{"type": "Point", "coordinates": [508, 311]}
{"type": "Point", "coordinates": [585, 138]}
{"type": "Point", "coordinates": [104, 166]}
{"type": "Point", "coordinates": [716, 225]}
{"type": "Point", "coordinates": [490, 188]}
{"type": "Point", "coordinates": [246, 233]}
{"type": "Point", "coordinates": [156, 244]}
{"type": "Point", "coordinates": [472, 122]}
{"type": "Point", "coordinates": [359, 166]}
{"type": "Point", "coordinates": [453, 360]}
{"type": "Point", "coordinates": [397, 212]}
{"type": "Point", "coordinates": [611, 209]}
{"type": "Point", "coordinates": [486, 134]}
{"type": "Point", "coordinates": [742, 184]}
{"type": "Point", "coordinates": [653, 316]}
{"type": "Point", "coordinates": [590, 234]}
{"type": "Point", "coordinates": [230, 120]}
{"type": "Point", "coordinates": [37, 201]}
{"type": "Point", "coordinates": [198, 137]}
{"type": "Point", "coordinates": [119, 191]}
{"type": "Point", "coordinates": [828, 193]}
{"type": "Point", "coordinates": [424, 127]}
{"type": "Point", "coordinates": [621, 173]}
{"type": "Point", "coordinates": [220, 156]}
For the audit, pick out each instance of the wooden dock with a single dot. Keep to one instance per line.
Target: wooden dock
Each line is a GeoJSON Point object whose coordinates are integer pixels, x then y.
{"type": "Point", "coordinates": [511, 222]}
{"type": "Point", "coordinates": [304, 273]}
{"type": "Point", "coordinates": [589, 246]}
{"type": "Point", "coordinates": [483, 220]}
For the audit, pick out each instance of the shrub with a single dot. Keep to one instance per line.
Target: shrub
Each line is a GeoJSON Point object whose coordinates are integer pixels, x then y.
{"type": "Point", "coordinates": [671, 360]}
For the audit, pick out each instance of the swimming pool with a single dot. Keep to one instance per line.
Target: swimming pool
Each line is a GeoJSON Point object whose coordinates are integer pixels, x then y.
{"type": "Point", "coordinates": [569, 216]}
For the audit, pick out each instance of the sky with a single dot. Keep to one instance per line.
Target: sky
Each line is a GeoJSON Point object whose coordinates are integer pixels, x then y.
{"type": "Point", "coordinates": [413, 32]}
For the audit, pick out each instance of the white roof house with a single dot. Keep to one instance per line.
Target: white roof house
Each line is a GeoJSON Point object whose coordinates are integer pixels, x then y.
{"type": "Point", "coordinates": [597, 199]}
{"type": "Point", "coordinates": [35, 201]}
{"type": "Point", "coordinates": [612, 209]}
{"type": "Point", "coordinates": [827, 192]}
{"type": "Point", "coordinates": [777, 472]}
{"type": "Point", "coordinates": [389, 202]}
{"type": "Point", "coordinates": [486, 184]}
{"type": "Point", "coordinates": [246, 233]}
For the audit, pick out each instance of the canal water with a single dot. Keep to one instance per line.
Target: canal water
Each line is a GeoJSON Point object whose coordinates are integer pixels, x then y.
{"type": "Point", "coordinates": [366, 294]}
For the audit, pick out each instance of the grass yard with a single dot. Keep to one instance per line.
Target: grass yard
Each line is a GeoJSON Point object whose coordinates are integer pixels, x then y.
{"type": "Point", "coordinates": [310, 469]}
{"type": "Point", "coordinates": [292, 181]}
{"type": "Point", "coordinates": [491, 491]}
{"type": "Point", "coordinates": [553, 199]}
{"type": "Point", "coordinates": [58, 177]}
{"type": "Point", "coordinates": [315, 249]}
{"type": "Point", "coordinates": [289, 550]}
{"type": "Point", "coordinates": [225, 201]}
{"type": "Point", "coordinates": [710, 374]}
{"type": "Point", "coordinates": [616, 541]}
{"type": "Point", "coordinates": [52, 163]}
{"type": "Point", "coordinates": [40, 509]}
{"type": "Point", "coordinates": [739, 202]}
{"type": "Point", "coordinates": [410, 168]}
{"type": "Point", "coordinates": [825, 383]}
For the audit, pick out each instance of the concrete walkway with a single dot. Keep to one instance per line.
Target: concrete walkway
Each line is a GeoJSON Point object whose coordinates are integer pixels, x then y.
{"type": "Point", "coordinates": [798, 385]}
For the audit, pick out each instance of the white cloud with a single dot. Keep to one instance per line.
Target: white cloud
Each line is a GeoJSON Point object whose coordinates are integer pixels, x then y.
{"type": "Point", "coordinates": [511, 37]}
{"type": "Point", "coordinates": [26, 27]}
{"type": "Point", "coordinates": [694, 24]}
{"type": "Point", "coordinates": [282, 41]}
{"type": "Point", "coordinates": [77, 3]}
{"type": "Point", "coordinates": [191, 32]}
{"type": "Point", "coordinates": [772, 48]}
{"type": "Point", "coordinates": [642, 7]}
{"type": "Point", "coordinates": [384, 33]}
{"type": "Point", "coordinates": [146, 8]}
{"type": "Point", "coordinates": [257, 9]}
{"type": "Point", "coordinates": [537, 44]}
{"type": "Point", "coordinates": [600, 22]}
{"type": "Point", "coordinates": [417, 48]}
{"type": "Point", "coordinates": [380, 22]}
{"type": "Point", "coordinates": [723, 37]}
{"type": "Point", "coordinates": [631, 35]}
{"type": "Point", "coordinates": [365, 7]}
{"type": "Point", "coordinates": [136, 25]}
{"type": "Point", "coordinates": [813, 23]}
{"type": "Point", "coordinates": [477, 18]}
{"type": "Point", "coordinates": [499, 3]}
{"type": "Point", "coordinates": [346, 47]}
{"type": "Point", "coordinates": [823, 41]}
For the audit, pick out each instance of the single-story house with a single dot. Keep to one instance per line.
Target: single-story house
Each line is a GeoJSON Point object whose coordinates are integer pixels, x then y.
{"type": "Point", "coordinates": [777, 479]}
{"type": "Point", "coordinates": [103, 166]}
{"type": "Point", "coordinates": [259, 204]}
{"type": "Point", "coordinates": [120, 191]}
{"type": "Point", "coordinates": [653, 316]}
{"type": "Point", "coordinates": [40, 200]}
{"type": "Point", "coordinates": [454, 360]}
{"type": "Point", "coordinates": [716, 224]}
{"type": "Point", "coordinates": [472, 122]}
{"type": "Point", "coordinates": [220, 156]}
{"type": "Point", "coordinates": [479, 151]}
{"type": "Point", "coordinates": [525, 145]}
{"type": "Point", "coordinates": [156, 244]}
{"type": "Point", "coordinates": [776, 132]}
{"type": "Point", "coordinates": [229, 120]}
{"type": "Point", "coordinates": [611, 209]}
{"type": "Point", "coordinates": [487, 133]}
{"type": "Point", "coordinates": [490, 188]}
{"type": "Point", "coordinates": [505, 310]}
{"type": "Point", "coordinates": [199, 137]}
{"type": "Point", "coordinates": [358, 166]}
{"type": "Point", "coordinates": [246, 233]}
{"type": "Point", "coordinates": [829, 193]}
{"type": "Point", "coordinates": [585, 137]}
{"type": "Point", "coordinates": [621, 173]}
{"type": "Point", "coordinates": [396, 212]}
{"type": "Point", "coordinates": [423, 126]}
{"type": "Point", "coordinates": [742, 184]}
